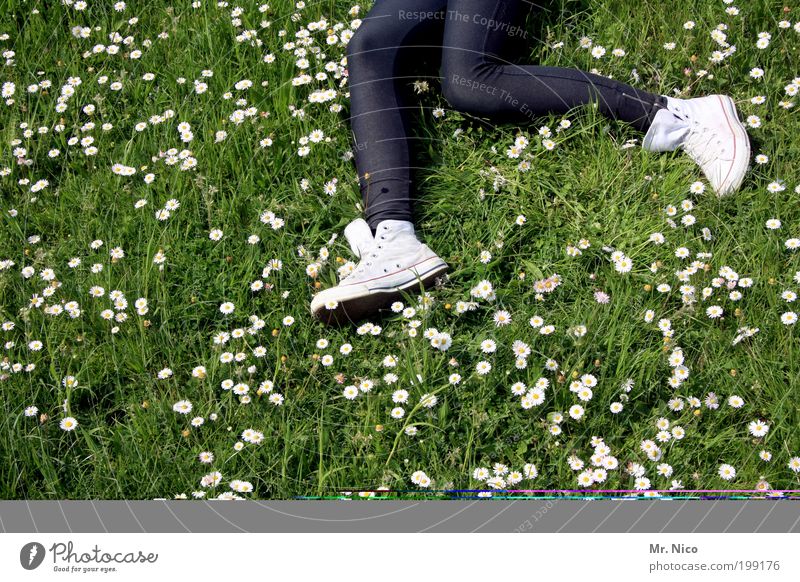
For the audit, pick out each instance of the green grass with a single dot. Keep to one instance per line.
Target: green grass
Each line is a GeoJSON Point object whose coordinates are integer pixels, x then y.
{"type": "Point", "coordinates": [131, 444]}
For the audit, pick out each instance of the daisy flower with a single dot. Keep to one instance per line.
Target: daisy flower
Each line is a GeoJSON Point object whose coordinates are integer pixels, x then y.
{"type": "Point", "coordinates": [483, 367]}
{"type": "Point", "coordinates": [68, 423]}
{"type": "Point", "coordinates": [601, 297]}
{"type": "Point", "coordinates": [182, 407]}
{"type": "Point", "coordinates": [758, 428]}
{"type": "Point", "coordinates": [586, 478]}
{"type": "Point", "coordinates": [753, 121]}
{"type": "Point", "coordinates": [735, 401]}
{"type": "Point", "coordinates": [480, 474]}
{"type": "Point", "coordinates": [520, 349]}
{"type": "Point", "coordinates": [576, 411]}
{"type": "Point", "coordinates": [502, 318]}
{"type": "Point", "coordinates": [400, 396]}
{"type": "Point", "coordinates": [428, 400]}
{"type": "Point", "coordinates": [488, 346]}
{"type": "Point", "coordinates": [623, 265]}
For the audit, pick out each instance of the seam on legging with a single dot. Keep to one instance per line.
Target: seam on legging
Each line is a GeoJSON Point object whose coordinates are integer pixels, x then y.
{"type": "Point", "coordinates": [393, 77]}
{"type": "Point", "coordinates": [496, 63]}
{"type": "Point", "coordinates": [647, 111]}
{"type": "Point", "coordinates": [386, 179]}
{"type": "Point", "coordinates": [555, 76]}
{"type": "Point", "coordinates": [506, 66]}
{"type": "Point", "coordinates": [371, 181]}
{"type": "Point", "coordinates": [398, 105]}
{"type": "Point", "coordinates": [497, 7]}
{"type": "Point", "coordinates": [649, 108]}
{"type": "Point", "coordinates": [372, 207]}
{"type": "Point", "coordinates": [380, 110]}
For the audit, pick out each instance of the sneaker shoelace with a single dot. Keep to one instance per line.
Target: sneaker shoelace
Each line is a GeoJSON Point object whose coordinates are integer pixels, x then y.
{"type": "Point", "coordinates": [699, 143]}
{"type": "Point", "coordinates": [366, 259]}
{"type": "Point", "coordinates": [372, 252]}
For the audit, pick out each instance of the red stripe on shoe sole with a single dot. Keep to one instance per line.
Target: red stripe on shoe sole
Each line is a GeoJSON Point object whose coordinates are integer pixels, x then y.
{"type": "Point", "coordinates": [392, 273]}
{"type": "Point", "coordinates": [730, 126]}
{"type": "Point", "coordinates": [404, 286]}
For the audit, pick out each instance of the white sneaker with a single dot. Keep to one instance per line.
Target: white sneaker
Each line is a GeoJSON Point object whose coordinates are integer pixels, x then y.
{"type": "Point", "coordinates": [392, 262]}
{"type": "Point", "coordinates": [709, 131]}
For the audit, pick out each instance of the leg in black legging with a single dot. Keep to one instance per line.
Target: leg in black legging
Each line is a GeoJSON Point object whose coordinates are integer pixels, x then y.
{"type": "Point", "coordinates": [478, 78]}
{"type": "Point", "coordinates": [474, 38]}
{"type": "Point", "coordinates": [391, 35]}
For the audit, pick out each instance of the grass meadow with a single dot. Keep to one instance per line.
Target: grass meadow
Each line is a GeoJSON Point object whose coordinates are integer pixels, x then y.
{"type": "Point", "coordinates": [175, 178]}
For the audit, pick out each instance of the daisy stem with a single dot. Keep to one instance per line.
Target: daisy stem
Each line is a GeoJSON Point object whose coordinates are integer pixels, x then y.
{"type": "Point", "coordinates": [406, 424]}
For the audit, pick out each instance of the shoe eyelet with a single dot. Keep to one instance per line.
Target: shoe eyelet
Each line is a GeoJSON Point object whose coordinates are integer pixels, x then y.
{"type": "Point", "coordinates": [398, 266]}
{"type": "Point", "coordinates": [382, 237]}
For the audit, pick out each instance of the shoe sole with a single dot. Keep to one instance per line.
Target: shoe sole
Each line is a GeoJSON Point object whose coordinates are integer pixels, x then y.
{"type": "Point", "coordinates": [353, 309]}
{"type": "Point", "coordinates": [736, 127]}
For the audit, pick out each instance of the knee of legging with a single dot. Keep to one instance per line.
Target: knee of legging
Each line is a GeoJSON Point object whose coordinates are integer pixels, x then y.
{"type": "Point", "coordinates": [466, 86]}
{"type": "Point", "coordinates": [371, 41]}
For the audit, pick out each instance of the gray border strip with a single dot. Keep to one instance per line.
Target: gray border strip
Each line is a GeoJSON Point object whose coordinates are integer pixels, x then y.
{"type": "Point", "coordinates": [374, 516]}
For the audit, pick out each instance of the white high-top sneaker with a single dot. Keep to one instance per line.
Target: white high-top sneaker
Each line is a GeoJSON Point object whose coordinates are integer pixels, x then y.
{"type": "Point", "coordinates": [392, 262]}
{"type": "Point", "coordinates": [709, 131]}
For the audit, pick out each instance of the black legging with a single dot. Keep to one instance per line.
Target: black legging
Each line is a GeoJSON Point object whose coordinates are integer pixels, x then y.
{"type": "Point", "coordinates": [475, 41]}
